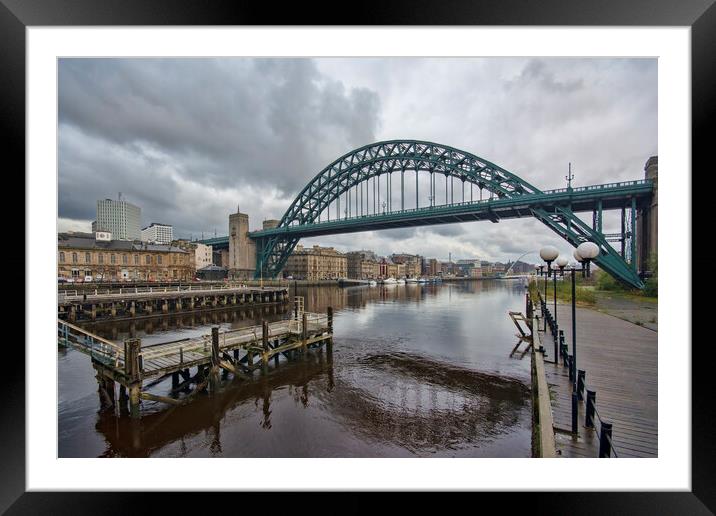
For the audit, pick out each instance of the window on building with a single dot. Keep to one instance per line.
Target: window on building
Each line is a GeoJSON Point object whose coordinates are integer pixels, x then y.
{"type": "Point", "coordinates": [74, 257]}
{"type": "Point", "coordinates": [62, 256]}
{"type": "Point", "coordinates": [88, 258]}
{"type": "Point", "coordinates": [101, 258]}
{"type": "Point", "coordinates": [125, 260]}
{"type": "Point", "coordinates": [136, 259]}
{"type": "Point", "coordinates": [113, 259]}
{"type": "Point", "coordinates": [159, 260]}
{"type": "Point", "coordinates": [148, 259]}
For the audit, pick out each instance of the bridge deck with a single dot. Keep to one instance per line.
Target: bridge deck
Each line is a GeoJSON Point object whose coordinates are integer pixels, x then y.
{"type": "Point", "coordinates": [620, 360]}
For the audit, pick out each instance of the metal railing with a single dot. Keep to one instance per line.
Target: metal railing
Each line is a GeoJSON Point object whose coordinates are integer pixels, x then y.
{"type": "Point", "coordinates": [105, 351]}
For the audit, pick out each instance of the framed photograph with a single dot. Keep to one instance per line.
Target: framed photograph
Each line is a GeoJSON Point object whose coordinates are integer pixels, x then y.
{"type": "Point", "coordinates": [414, 252]}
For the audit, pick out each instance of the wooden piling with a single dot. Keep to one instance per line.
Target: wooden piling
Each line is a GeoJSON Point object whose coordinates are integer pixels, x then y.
{"type": "Point", "coordinates": [304, 334]}
{"type": "Point", "coordinates": [215, 358]}
{"type": "Point", "coordinates": [132, 348]}
{"type": "Point", "coordinates": [265, 345]}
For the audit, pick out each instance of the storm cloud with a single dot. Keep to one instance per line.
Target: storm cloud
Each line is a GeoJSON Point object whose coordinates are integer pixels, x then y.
{"type": "Point", "coordinates": [190, 139]}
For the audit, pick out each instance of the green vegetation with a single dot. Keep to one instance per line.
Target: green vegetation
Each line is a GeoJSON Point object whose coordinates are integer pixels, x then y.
{"type": "Point", "coordinates": [605, 282]}
{"type": "Point", "coordinates": [584, 290]}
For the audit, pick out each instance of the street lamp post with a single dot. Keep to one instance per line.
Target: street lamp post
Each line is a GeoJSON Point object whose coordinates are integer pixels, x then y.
{"type": "Point", "coordinates": [584, 253]}
{"type": "Point", "coordinates": [560, 262]}
{"type": "Point", "coordinates": [548, 254]}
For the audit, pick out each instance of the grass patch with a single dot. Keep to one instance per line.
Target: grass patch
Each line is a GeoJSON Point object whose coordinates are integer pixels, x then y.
{"type": "Point", "coordinates": [605, 282]}
{"type": "Point", "coordinates": [584, 290]}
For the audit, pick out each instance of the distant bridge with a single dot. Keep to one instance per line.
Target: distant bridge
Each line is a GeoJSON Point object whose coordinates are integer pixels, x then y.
{"type": "Point", "coordinates": [354, 181]}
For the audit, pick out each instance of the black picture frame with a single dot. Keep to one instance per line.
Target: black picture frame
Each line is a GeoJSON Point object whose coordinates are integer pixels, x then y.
{"type": "Point", "coordinates": [700, 15]}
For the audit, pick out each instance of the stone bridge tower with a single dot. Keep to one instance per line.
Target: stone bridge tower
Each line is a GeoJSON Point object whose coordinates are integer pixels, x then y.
{"type": "Point", "coordinates": [648, 221]}
{"type": "Point", "coordinates": [242, 250]}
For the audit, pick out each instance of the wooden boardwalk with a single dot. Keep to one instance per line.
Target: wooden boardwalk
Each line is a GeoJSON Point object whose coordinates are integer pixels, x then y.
{"type": "Point", "coordinates": [620, 360]}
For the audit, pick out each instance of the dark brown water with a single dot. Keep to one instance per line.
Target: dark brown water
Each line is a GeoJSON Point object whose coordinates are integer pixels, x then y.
{"type": "Point", "coordinates": [416, 370]}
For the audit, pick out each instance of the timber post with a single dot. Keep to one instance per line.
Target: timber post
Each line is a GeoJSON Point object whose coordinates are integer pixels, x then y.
{"type": "Point", "coordinates": [304, 334]}
{"type": "Point", "coordinates": [133, 369]}
{"type": "Point", "coordinates": [329, 342]}
{"type": "Point", "coordinates": [215, 356]}
{"type": "Point", "coordinates": [265, 346]}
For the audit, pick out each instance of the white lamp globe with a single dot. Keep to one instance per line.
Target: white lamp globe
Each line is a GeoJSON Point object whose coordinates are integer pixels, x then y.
{"type": "Point", "coordinates": [548, 253]}
{"type": "Point", "coordinates": [588, 250]}
{"type": "Point", "coordinates": [577, 256]}
{"type": "Point", "coordinates": [561, 262]}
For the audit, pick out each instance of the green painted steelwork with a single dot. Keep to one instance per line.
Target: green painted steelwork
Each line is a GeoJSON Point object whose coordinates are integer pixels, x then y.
{"type": "Point", "coordinates": [510, 197]}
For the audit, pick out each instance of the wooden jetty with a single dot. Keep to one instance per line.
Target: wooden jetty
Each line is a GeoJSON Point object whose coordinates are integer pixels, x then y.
{"type": "Point", "coordinates": [238, 352]}
{"type": "Point", "coordinates": [616, 372]}
{"type": "Point", "coordinates": [77, 305]}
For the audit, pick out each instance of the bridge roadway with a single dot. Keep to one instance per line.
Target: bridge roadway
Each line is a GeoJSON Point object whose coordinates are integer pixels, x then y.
{"type": "Point", "coordinates": [582, 199]}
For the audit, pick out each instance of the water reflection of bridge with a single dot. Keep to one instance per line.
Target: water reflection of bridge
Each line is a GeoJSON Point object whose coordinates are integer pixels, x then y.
{"type": "Point", "coordinates": [422, 405]}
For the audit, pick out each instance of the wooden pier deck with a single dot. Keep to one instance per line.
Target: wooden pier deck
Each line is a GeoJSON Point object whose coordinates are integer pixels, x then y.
{"type": "Point", "coordinates": [130, 364]}
{"type": "Point", "coordinates": [74, 305]}
{"type": "Point", "coordinates": [620, 362]}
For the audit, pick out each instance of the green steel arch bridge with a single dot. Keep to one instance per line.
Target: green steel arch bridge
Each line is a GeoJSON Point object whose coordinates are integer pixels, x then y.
{"type": "Point", "coordinates": [384, 185]}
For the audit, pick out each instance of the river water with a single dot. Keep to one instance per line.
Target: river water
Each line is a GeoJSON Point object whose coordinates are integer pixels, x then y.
{"type": "Point", "coordinates": [416, 370]}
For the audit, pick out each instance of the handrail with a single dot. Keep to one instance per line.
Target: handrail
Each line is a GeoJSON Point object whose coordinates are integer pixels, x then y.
{"type": "Point", "coordinates": [98, 348]}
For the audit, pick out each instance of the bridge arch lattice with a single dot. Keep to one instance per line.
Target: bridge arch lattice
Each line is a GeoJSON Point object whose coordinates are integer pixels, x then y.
{"type": "Point", "coordinates": [372, 161]}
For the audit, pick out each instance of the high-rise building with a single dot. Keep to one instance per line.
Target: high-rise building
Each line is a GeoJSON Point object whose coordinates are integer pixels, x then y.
{"type": "Point", "coordinates": [158, 233]}
{"type": "Point", "coordinates": [119, 218]}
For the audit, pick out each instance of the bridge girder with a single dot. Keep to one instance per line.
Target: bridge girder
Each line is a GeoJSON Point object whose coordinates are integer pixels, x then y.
{"type": "Point", "coordinates": [380, 158]}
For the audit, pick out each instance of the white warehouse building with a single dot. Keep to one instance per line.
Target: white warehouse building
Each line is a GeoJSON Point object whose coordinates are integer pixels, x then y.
{"type": "Point", "coordinates": [158, 233]}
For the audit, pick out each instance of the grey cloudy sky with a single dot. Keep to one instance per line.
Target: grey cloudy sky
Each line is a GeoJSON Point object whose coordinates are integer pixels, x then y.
{"type": "Point", "coordinates": [189, 139]}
